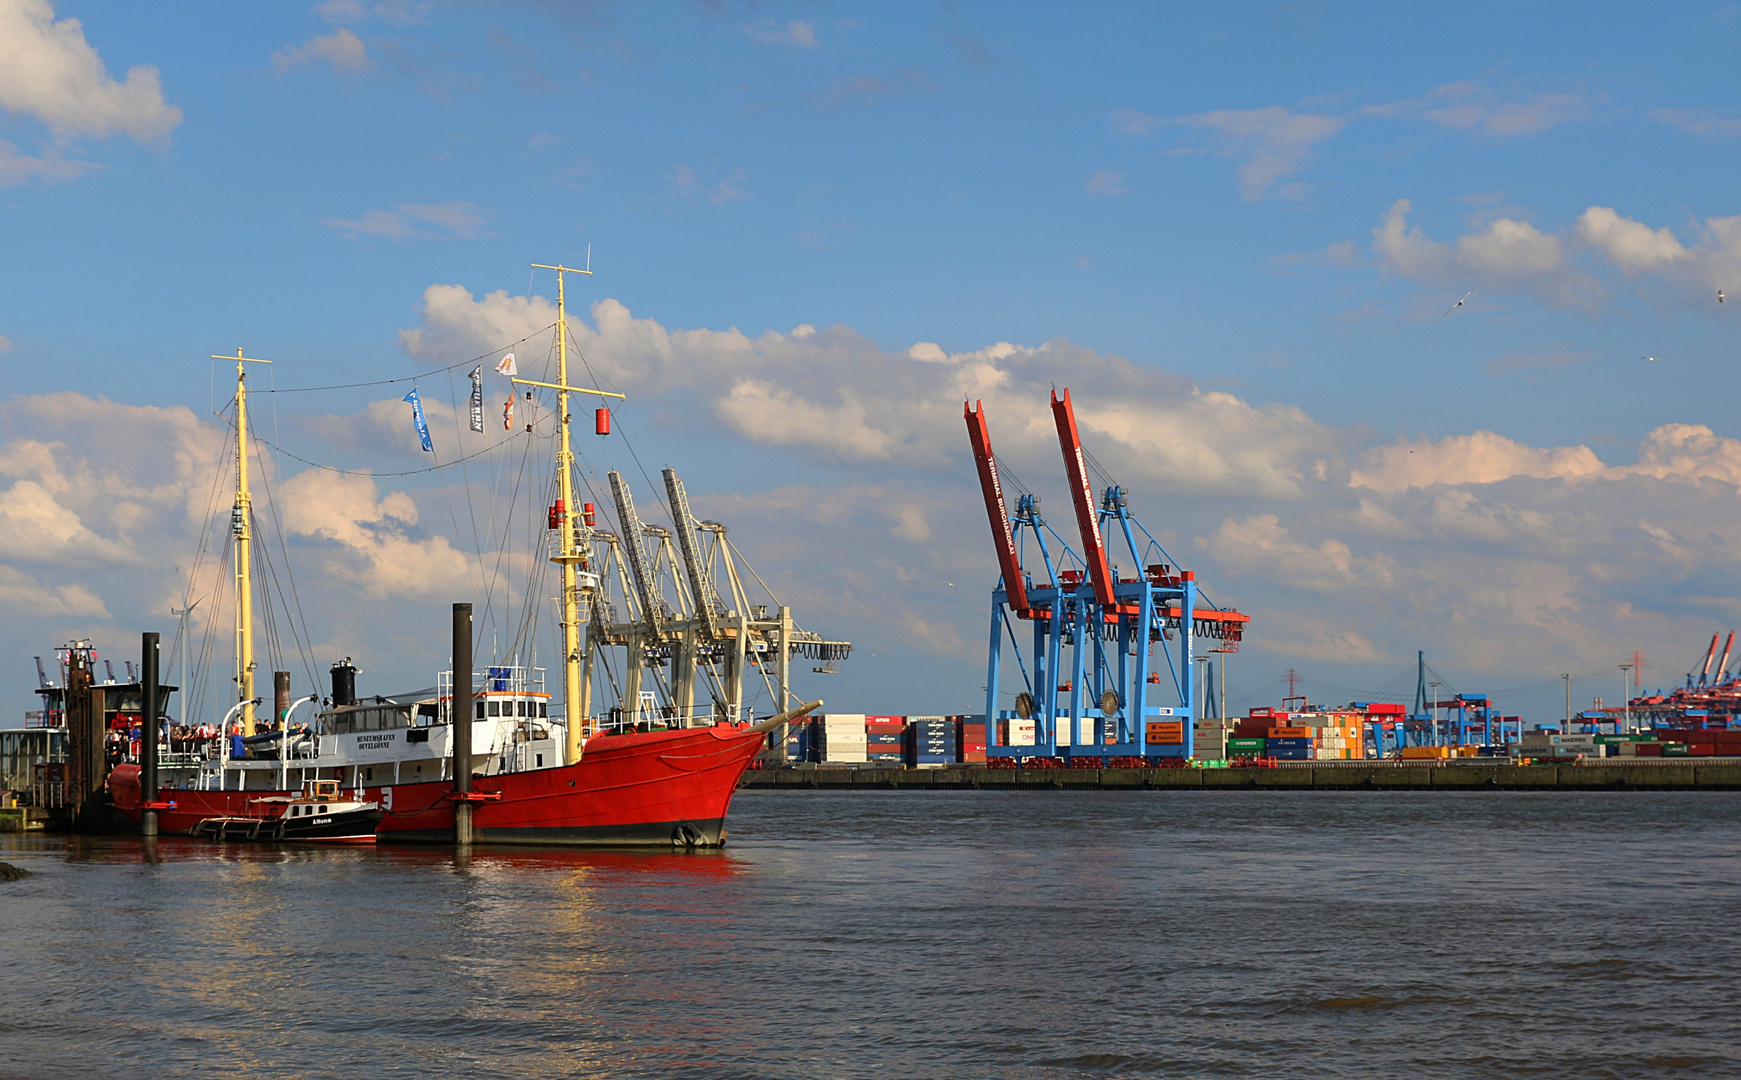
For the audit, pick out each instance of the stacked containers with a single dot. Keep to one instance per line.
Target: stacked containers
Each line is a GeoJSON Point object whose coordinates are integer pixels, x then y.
{"type": "Point", "coordinates": [883, 739]}
{"type": "Point", "coordinates": [800, 740]}
{"type": "Point", "coordinates": [1700, 742]}
{"type": "Point", "coordinates": [1240, 747]}
{"type": "Point", "coordinates": [1164, 732]}
{"type": "Point", "coordinates": [1425, 753]}
{"type": "Point", "coordinates": [930, 740]}
{"type": "Point", "coordinates": [1336, 736]}
{"type": "Point", "coordinates": [1290, 743]}
{"type": "Point", "coordinates": [1250, 736]}
{"type": "Point", "coordinates": [969, 739]}
{"type": "Point", "coordinates": [843, 738]}
{"type": "Point", "coordinates": [1209, 739]}
{"type": "Point", "coordinates": [1017, 732]}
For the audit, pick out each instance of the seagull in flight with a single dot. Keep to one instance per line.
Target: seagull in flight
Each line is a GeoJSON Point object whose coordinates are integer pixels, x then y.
{"type": "Point", "coordinates": [1719, 296]}
{"type": "Point", "coordinates": [1652, 359]}
{"type": "Point", "coordinates": [1459, 303]}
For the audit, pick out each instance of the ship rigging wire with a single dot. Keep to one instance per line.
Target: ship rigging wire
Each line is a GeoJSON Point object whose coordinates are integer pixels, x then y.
{"type": "Point", "coordinates": [410, 378]}
{"type": "Point", "coordinates": [507, 476]}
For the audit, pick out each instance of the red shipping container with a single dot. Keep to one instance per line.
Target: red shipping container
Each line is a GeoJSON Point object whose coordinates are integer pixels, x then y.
{"type": "Point", "coordinates": [1645, 749]}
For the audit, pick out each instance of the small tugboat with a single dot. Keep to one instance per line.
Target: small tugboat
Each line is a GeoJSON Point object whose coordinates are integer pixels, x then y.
{"type": "Point", "coordinates": [318, 814]}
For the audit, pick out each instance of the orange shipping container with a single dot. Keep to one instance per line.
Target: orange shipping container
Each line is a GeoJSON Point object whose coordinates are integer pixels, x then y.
{"type": "Point", "coordinates": [1293, 732]}
{"type": "Point", "coordinates": [1423, 753]}
{"type": "Point", "coordinates": [1166, 732]}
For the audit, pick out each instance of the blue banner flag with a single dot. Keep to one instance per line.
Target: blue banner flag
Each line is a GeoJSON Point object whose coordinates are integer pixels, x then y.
{"type": "Point", "coordinates": [417, 418]}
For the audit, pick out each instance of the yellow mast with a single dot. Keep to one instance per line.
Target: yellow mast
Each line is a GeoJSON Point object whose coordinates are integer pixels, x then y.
{"type": "Point", "coordinates": [569, 554]}
{"type": "Point", "coordinates": [240, 527]}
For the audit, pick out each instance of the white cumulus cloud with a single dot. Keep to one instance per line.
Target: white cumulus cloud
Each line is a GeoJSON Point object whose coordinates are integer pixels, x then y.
{"type": "Point", "coordinates": [1481, 457]}
{"type": "Point", "coordinates": [844, 397]}
{"type": "Point", "coordinates": [1504, 252]}
{"type": "Point", "coordinates": [50, 73]}
{"type": "Point", "coordinates": [370, 534]}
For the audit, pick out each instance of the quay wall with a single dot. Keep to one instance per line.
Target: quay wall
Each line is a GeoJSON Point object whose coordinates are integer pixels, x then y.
{"type": "Point", "coordinates": [1317, 776]}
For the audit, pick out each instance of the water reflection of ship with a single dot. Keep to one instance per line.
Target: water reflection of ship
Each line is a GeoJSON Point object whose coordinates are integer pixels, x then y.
{"type": "Point", "coordinates": [659, 765]}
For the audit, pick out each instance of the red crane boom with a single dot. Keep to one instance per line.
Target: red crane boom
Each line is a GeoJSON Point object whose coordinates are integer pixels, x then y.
{"type": "Point", "coordinates": [1008, 560]}
{"type": "Point", "coordinates": [1082, 494]}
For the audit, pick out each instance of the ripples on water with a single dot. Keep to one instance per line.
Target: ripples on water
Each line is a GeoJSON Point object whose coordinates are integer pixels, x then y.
{"type": "Point", "coordinates": [898, 934]}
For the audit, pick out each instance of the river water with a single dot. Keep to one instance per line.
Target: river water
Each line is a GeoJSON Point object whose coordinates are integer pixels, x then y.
{"type": "Point", "coordinates": [898, 934]}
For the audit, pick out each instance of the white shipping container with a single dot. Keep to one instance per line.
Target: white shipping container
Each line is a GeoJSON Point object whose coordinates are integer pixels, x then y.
{"type": "Point", "coordinates": [1021, 733]}
{"type": "Point", "coordinates": [846, 757]}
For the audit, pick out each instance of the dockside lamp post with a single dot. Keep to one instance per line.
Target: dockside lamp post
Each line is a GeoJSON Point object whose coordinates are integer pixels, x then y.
{"type": "Point", "coordinates": [1626, 694]}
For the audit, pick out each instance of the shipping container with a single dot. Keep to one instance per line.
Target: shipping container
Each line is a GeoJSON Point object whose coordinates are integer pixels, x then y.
{"type": "Point", "coordinates": [1425, 753]}
{"type": "Point", "coordinates": [1165, 732]}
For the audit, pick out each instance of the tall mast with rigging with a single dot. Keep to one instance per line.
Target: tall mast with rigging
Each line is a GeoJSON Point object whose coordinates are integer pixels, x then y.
{"type": "Point", "coordinates": [577, 579]}
{"type": "Point", "coordinates": [241, 527]}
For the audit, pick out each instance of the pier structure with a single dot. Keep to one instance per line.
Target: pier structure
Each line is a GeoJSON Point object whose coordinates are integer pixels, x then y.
{"type": "Point", "coordinates": [1605, 775]}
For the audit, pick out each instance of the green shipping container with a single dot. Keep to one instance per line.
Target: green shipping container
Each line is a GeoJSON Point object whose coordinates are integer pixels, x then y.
{"type": "Point", "coordinates": [1674, 749]}
{"type": "Point", "coordinates": [1235, 745]}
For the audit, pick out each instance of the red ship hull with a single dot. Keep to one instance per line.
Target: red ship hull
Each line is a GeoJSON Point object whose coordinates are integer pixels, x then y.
{"type": "Point", "coordinates": [661, 787]}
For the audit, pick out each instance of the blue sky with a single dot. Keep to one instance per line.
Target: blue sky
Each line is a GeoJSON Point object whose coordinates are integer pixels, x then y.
{"type": "Point", "coordinates": [1212, 195]}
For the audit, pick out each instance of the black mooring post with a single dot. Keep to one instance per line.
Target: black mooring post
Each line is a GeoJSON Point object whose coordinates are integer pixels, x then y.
{"type": "Point", "coordinates": [148, 721]}
{"type": "Point", "coordinates": [460, 715]}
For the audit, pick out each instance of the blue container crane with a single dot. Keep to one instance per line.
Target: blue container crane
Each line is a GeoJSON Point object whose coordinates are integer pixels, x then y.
{"type": "Point", "coordinates": [1092, 689]}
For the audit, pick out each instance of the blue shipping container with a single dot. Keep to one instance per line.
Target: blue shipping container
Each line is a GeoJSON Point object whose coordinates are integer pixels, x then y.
{"type": "Point", "coordinates": [1289, 744]}
{"type": "Point", "coordinates": [1291, 753]}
